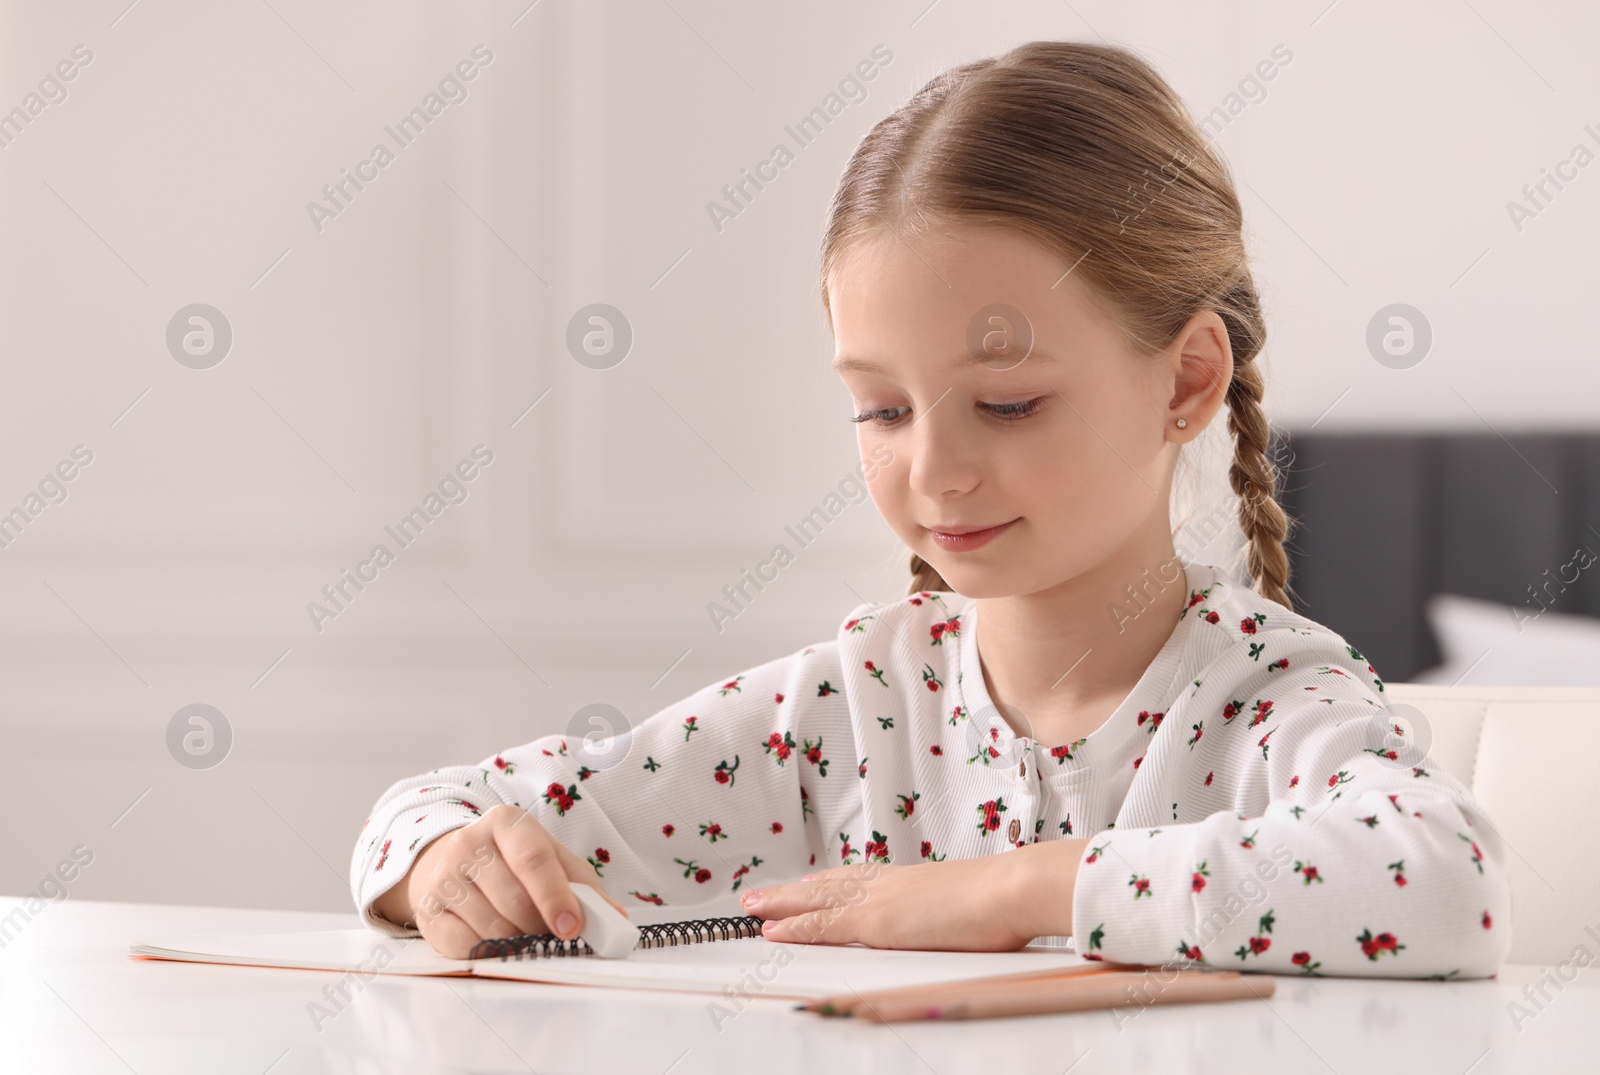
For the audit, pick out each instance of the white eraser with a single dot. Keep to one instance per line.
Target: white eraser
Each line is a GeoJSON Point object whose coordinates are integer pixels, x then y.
{"type": "Point", "coordinates": [605, 929]}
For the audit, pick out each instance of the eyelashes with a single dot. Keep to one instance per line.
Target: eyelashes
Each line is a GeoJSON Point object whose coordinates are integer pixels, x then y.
{"type": "Point", "coordinates": [872, 416]}
{"type": "Point", "coordinates": [1006, 412]}
{"type": "Point", "coordinates": [1014, 412]}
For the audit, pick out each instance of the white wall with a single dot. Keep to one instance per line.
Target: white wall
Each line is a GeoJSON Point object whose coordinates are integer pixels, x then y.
{"type": "Point", "coordinates": [425, 319]}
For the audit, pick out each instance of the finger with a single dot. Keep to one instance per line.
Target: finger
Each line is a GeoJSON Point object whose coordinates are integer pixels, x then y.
{"type": "Point", "coordinates": [825, 925]}
{"type": "Point", "coordinates": [426, 904]}
{"type": "Point", "coordinates": [796, 897]}
{"type": "Point", "coordinates": [536, 858]}
{"type": "Point", "coordinates": [454, 889]}
{"type": "Point", "coordinates": [577, 870]}
{"type": "Point", "coordinates": [506, 895]}
{"type": "Point", "coordinates": [450, 937]}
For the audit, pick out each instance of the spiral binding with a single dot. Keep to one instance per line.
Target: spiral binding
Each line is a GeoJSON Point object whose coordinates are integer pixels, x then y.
{"type": "Point", "coordinates": [659, 935]}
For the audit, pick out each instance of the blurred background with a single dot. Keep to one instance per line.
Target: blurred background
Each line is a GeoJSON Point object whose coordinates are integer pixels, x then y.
{"type": "Point", "coordinates": [228, 367]}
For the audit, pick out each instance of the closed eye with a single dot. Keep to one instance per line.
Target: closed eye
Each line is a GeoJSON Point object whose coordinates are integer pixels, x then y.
{"type": "Point", "coordinates": [1016, 411]}
{"type": "Point", "coordinates": [1006, 412]}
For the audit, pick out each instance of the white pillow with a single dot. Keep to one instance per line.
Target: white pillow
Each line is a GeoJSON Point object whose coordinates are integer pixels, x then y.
{"type": "Point", "coordinates": [1505, 646]}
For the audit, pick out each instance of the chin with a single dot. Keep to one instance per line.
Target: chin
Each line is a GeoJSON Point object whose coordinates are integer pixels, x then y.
{"type": "Point", "coordinates": [974, 581]}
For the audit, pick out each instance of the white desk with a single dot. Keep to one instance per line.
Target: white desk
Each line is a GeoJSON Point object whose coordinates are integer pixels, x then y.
{"type": "Point", "coordinates": [72, 1000]}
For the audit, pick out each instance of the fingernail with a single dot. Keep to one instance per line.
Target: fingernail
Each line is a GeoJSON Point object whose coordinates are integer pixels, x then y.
{"type": "Point", "coordinates": [808, 877]}
{"type": "Point", "coordinates": [566, 922]}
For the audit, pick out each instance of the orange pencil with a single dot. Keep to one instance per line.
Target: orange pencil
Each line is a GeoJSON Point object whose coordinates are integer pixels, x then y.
{"type": "Point", "coordinates": [1068, 994]}
{"type": "Point", "coordinates": [843, 1003]}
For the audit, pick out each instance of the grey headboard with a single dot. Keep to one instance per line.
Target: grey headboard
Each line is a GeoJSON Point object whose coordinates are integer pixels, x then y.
{"type": "Point", "coordinates": [1381, 522]}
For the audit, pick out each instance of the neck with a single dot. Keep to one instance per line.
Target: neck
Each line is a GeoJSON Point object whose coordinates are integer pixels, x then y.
{"type": "Point", "coordinates": [1061, 659]}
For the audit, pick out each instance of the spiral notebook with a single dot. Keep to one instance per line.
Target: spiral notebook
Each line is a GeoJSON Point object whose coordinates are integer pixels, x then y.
{"type": "Point", "coordinates": [703, 955]}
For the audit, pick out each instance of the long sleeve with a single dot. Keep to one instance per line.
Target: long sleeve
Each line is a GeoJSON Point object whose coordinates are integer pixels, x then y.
{"type": "Point", "coordinates": [713, 792]}
{"type": "Point", "coordinates": [1319, 845]}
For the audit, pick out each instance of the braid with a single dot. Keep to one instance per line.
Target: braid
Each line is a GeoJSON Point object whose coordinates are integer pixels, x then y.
{"type": "Point", "coordinates": [1261, 517]}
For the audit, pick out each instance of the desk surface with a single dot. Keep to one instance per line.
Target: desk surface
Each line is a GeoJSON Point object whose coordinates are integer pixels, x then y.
{"type": "Point", "coordinates": [72, 1000]}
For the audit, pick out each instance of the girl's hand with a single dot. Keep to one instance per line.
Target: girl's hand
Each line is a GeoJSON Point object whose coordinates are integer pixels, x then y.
{"type": "Point", "coordinates": [500, 876]}
{"type": "Point", "coordinates": [995, 903]}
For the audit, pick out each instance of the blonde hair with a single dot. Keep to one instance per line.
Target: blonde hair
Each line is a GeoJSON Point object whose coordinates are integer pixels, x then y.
{"type": "Point", "coordinates": [1084, 148]}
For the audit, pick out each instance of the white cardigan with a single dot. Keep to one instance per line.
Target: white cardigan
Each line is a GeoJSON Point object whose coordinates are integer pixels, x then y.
{"type": "Point", "coordinates": [1247, 808]}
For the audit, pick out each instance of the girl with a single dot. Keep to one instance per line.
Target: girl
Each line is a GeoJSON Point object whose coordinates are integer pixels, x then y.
{"type": "Point", "coordinates": [1036, 281]}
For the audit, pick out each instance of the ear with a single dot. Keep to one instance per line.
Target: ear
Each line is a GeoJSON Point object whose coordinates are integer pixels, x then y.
{"type": "Point", "coordinates": [1200, 362]}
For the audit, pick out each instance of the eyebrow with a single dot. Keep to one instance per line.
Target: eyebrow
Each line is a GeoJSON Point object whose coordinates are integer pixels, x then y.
{"type": "Point", "coordinates": [850, 363]}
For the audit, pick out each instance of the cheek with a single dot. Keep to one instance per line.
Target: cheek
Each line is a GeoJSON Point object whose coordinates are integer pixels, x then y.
{"type": "Point", "coordinates": [888, 487]}
{"type": "Point", "coordinates": [1062, 479]}
{"type": "Point", "coordinates": [1086, 505]}
{"type": "Point", "coordinates": [884, 485]}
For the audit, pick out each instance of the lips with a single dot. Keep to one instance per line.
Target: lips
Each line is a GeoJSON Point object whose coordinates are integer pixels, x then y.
{"type": "Point", "coordinates": [962, 538]}
{"type": "Point", "coordinates": [955, 530]}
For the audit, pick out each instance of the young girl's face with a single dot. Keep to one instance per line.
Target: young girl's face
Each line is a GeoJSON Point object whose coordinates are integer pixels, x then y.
{"type": "Point", "coordinates": [1069, 445]}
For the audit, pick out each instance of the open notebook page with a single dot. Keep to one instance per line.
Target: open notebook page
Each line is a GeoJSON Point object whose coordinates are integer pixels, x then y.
{"type": "Point", "coordinates": [752, 965]}
{"type": "Point", "coordinates": [357, 949]}
{"type": "Point", "coordinates": [761, 968]}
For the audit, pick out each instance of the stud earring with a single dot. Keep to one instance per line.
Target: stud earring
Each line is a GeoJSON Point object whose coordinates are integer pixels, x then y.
{"type": "Point", "coordinates": [1183, 423]}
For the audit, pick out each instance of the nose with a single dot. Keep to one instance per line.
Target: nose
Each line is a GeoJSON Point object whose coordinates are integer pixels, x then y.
{"type": "Point", "coordinates": [944, 454]}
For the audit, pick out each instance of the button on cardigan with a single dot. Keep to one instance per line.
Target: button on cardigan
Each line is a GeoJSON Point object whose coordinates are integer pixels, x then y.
{"type": "Point", "coordinates": [1255, 803]}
